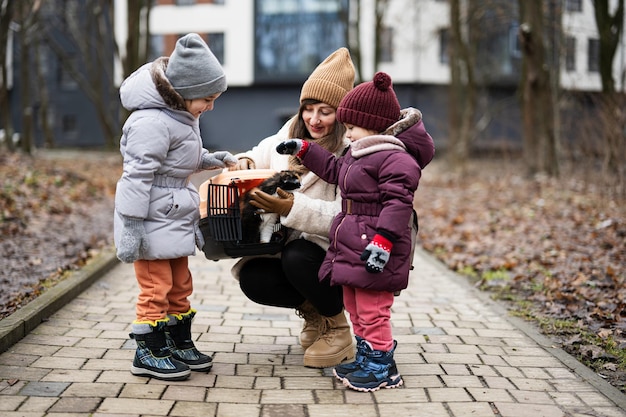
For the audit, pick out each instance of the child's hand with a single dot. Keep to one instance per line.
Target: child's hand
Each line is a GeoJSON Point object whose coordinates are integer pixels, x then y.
{"type": "Point", "coordinates": [220, 159]}
{"type": "Point", "coordinates": [133, 243]}
{"type": "Point", "coordinates": [376, 254]}
{"type": "Point", "coordinates": [292, 147]}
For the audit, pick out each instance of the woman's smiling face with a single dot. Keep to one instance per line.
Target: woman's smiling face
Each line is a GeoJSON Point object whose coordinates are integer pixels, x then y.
{"type": "Point", "coordinates": [319, 119]}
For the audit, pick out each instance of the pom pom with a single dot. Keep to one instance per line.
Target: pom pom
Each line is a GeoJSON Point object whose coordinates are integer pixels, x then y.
{"type": "Point", "coordinates": [382, 81]}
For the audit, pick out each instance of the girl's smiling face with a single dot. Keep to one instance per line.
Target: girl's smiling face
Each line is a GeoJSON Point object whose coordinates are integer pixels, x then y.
{"type": "Point", "coordinates": [319, 119]}
{"type": "Point", "coordinates": [197, 106]}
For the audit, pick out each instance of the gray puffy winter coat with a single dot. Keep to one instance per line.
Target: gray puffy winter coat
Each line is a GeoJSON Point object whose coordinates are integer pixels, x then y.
{"type": "Point", "coordinates": [161, 147]}
{"type": "Point", "coordinates": [378, 178]}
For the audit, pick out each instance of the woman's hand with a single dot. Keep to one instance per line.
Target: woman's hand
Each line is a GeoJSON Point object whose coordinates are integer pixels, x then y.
{"type": "Point", "coordinates": [243, 163]}
{"type": "Point", "coordinates": [280, 204]}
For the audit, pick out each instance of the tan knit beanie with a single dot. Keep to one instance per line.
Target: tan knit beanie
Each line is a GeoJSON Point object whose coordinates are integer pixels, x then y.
{"type": "Point", "coordinates": [331, 80]}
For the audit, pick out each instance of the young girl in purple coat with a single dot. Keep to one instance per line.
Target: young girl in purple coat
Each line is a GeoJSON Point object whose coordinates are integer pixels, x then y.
{"type": "Point", "coordinates": [370, 239]}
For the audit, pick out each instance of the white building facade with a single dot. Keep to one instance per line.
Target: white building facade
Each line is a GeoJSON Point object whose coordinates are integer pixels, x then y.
{"type": "Point", "coordinates": [417, 26]}
{"type": "Point", "coordinates": [274, 44]}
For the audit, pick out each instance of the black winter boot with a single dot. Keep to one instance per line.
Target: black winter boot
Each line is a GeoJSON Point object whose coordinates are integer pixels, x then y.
{"type": "Point", "coordinates": [178, 334]}
{"type": "Point", "coordinates": [152, 357]}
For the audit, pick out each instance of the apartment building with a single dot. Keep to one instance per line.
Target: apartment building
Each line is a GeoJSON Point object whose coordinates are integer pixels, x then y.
{"type": "Point", "coordinates": [268, 48]}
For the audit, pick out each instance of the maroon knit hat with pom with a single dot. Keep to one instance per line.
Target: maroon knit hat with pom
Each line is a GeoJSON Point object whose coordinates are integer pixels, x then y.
{"type": "Point", "coordinates": [372, 105]}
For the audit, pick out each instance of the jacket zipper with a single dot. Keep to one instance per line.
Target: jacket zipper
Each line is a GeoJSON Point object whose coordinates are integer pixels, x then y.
{"type": "Point", "coordinates": [345, 177]}
{"type": "Point", "coordinates": [344, 217]}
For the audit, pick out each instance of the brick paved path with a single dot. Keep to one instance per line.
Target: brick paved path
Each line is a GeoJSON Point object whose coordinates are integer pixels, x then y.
{"type": "Point", "coordinates": [458, 353]}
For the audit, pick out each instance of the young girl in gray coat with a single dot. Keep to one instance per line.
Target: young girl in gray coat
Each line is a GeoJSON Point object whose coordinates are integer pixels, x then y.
{"type": "Point", "coordinates": [370, 240]}
{"type": "Point", "coordinates": [156, 207]}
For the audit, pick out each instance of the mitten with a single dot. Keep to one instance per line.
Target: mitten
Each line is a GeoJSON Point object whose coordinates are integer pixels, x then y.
{"type": "Point", "coordinates": [133, 243]}
{"type": "Point", "coordinates": [280, 204]}
{"type": "Point", "coordinates": [296, 147]}
{"type": "Point", "coordinates": [220, 159]}
{"type": "Point", "coordinates": [376, 254]}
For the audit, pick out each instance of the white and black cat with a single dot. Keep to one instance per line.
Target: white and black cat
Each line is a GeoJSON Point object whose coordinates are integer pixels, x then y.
{"type": "Point", "coordinates": [259, 227]}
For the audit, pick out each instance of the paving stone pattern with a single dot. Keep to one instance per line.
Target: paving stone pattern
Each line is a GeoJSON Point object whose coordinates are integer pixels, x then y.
{"type": "Point", "coordinates": [459, 354]}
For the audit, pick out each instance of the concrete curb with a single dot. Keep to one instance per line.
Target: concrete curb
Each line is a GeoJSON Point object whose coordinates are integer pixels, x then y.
{"type": "Point", "coordinates": [531, 331]}
{"type": "Point", "coordinates": [19, 324]}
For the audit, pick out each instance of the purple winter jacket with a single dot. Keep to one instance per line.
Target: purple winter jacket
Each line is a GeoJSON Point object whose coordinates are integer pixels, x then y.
{"type": "Point", "coordinates": [378, 177]}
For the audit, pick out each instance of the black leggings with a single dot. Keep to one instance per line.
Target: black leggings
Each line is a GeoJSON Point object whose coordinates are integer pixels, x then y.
{"type": "Point", "coordinates": [291, 279]}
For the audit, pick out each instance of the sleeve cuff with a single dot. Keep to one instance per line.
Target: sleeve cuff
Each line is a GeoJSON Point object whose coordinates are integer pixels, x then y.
{"type": "Point", "coordinates": [382, 242]}
{"type": "Point", "coordinates": [305, 147]}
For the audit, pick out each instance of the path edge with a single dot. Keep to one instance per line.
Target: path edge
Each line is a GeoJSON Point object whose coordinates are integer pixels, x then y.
{"type": "Point", "coordinates": [17, 325]}
{"type": "Point", "coordinates": [530, 330]}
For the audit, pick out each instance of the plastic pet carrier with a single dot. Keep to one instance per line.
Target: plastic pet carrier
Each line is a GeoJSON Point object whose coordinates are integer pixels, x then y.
{"type": "Point", "coordinates": [221, 199]}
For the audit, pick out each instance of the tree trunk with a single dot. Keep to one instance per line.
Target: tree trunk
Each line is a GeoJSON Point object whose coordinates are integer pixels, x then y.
{"type": "Point", "coordinates": [611, 104]}
{"type": "Point", "coordinates": [355, 42]}
{"type": "Point", "coordinates": [613, 111]}
{"type": "Point", "coordinates": [462, 108]}
{"type": "Point", "coordinates": [539, 139]}
{"type": "Point", "coordinates": [26, 135]}
{"type": "Point", "coordinates": [610, 29]}
{"type": "Point", "coordinates": [6, 15]}
{"type": "Point", "coordinates": [44, 103]}
{"type": "Point", "coordinates": [380, 6]}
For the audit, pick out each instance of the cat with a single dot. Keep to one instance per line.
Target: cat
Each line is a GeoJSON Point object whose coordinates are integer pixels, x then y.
{"type": "Point", "coordinates": [259, 227]}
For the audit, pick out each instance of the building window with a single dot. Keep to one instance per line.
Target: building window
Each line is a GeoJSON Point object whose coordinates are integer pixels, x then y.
{"type": "Point", "coordinates": [574, 5]}
{"type": "Point", "coordinates": [444, 45]}
{"type": "Point", "coordinates": [157, 47]}
{"type": "Point", "coordinates": [514, 44]}
{"type": "Point", "coordinates": [293, 36]}
{"type": "Point", "coordinates": [216, 43]}
{"type": "Point", "coordinates": [185, 2]}
{"type": "Point", "coordinates": [593, 55]}
{"type": "Point", "coordinates": [66, 81]}
{"type": "Point", "coordinates": [570, 54]}
{"type": "Point", "coordinates": [68, 123]}
{"type": "Point", "coordinates": [386, 44]}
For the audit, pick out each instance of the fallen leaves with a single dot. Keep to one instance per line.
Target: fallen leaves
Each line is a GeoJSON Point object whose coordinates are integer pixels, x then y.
{"type": "Point", "coordinates": [54, 213]}
{"type": "Point", "coordinates": [559, 244]}
{"type": "Point", "coordinates": [556, 244]}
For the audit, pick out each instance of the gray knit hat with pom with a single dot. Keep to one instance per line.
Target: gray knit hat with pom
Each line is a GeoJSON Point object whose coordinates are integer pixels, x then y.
{"type": "Point", "coordinates": [193, 70]}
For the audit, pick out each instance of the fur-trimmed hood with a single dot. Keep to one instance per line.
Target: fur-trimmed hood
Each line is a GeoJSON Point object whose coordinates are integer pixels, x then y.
{"type": "Point", "coordinates": [148, 87]}
{"type": "Point", "coordinates": [411, 132]}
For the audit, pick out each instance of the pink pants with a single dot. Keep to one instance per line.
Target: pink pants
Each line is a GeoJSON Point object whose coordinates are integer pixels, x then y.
{"type": "Point", "coordinates": [164, 288]}
{"type": "Point", "coordinates": [370, 314]}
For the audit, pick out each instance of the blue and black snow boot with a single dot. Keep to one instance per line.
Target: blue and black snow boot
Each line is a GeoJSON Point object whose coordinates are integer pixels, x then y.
{"type": "Point", "coordinates": [340, 371]}
{"type": "Point", "coordinates": [378, 370]}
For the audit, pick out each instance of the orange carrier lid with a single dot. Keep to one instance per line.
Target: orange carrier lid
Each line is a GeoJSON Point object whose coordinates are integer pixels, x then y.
{"type": "Point", "coordinates": [244, 180]}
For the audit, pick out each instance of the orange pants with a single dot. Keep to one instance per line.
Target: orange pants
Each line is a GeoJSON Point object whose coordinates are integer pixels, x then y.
{"type": "Point", "coordinates": [164, 288]}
